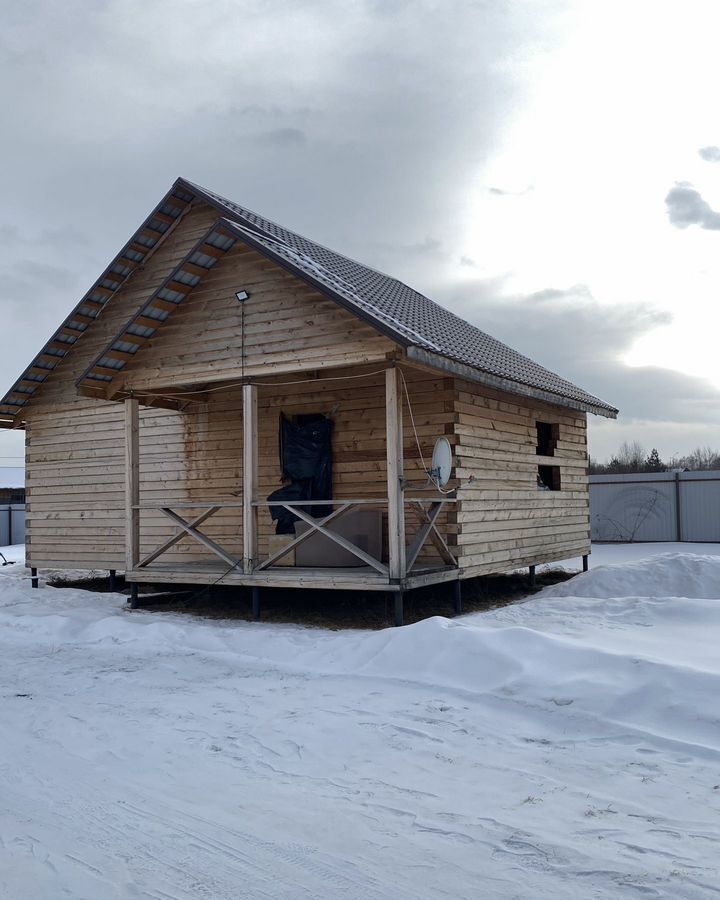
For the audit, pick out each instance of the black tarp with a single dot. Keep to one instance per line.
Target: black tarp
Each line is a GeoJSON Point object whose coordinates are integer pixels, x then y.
{"type": "Point", "coordinates": [306, 462]}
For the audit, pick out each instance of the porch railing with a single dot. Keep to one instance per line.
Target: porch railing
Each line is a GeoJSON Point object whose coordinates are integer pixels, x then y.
{"type": "Point", "coordinates": [426, 510]}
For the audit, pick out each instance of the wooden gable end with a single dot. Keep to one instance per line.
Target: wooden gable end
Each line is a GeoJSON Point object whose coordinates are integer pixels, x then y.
{"type": "Point", "coordinates": [285, 325]}
{"type": "Point", "coordinates": [60, 386]}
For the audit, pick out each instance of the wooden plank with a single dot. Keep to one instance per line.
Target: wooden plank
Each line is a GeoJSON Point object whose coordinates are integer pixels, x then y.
{"type": "Point", "coordinates": [179, 286]}
{"type": "Point", "coordinates": [146, 322]}
{"type": "Point", "coordinates": [395, 473]}
{"type": "Point", "coordinates": [339, 539]}
{"type": "Point", "coordinates": [250, 477]}
{"type": "Point", "coordinates": [166, 305]}
{"type": "Point", "coordinates": [132, 483]}
{"type": "Point", "coordinates": [177, 537]}
{"type": "Point", "coordinates": [300, 539]}
{"type": "Point", "coordinates": [201, 538]}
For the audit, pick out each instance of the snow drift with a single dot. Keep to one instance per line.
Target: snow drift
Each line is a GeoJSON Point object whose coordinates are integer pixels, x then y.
{"type": "Point", "coordinates": [566, 746]}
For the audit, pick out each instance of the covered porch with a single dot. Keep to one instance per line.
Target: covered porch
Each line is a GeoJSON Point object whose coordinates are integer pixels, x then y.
{"type": "Point", "coordinates": [416, 517]}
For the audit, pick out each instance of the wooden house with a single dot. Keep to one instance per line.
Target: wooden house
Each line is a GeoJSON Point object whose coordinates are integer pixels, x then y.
{"type": "Point", "coordinates": [152, 421]}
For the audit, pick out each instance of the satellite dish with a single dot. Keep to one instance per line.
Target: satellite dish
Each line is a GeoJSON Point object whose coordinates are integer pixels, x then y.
{"type": "Point", "coordinates": [441, 466]}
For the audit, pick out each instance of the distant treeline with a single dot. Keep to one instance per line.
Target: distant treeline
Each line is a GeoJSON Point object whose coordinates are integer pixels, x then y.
{"type": "Point", "coordinates": [633, 457]}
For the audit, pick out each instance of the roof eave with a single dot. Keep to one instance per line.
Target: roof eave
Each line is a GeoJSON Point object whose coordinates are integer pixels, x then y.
{"type": "Point", "coordinates": [462, 370]}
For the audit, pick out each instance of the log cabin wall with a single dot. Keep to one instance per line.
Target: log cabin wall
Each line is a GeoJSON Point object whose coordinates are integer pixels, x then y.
{"type": "Point", "coordinates": [504, 519]}
{"type": "Point", "coordinates": [74, 445]}
{"type": "Point", "coordinates": [196, 455]}
{"type": "Point", "coordinates": [75, 463]}
{"type": "Point", "coordinates": [75, 466]}
{"type": "Point", "coordinates": [212, 467]}
{"type": "Point", "coordinates": [289, 327]}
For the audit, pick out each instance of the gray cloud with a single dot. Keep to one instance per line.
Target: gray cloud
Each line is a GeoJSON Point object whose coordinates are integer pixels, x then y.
{"type": "Point", "coordinates": [572, 334]}
{"type": "Point", "coordinates": [710, 154]}
{"type": "Point", "coordinates": [686, 207]}
{"type": "Point", "coordinates": [361, 129]}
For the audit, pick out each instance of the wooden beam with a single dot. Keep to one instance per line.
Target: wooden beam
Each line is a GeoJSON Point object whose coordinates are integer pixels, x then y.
{"type": "Point", "coordinates": [179, 287]}
{"type": "Point", "coordinates": [159, 303]}
{"type": "Point", "coordinates": [394, 452]}
{"type": "Point", "coordinates": [75, 332]}
{"type": "Point", "coordinates": [200, 537]}
{"type": "Point", "coordinates": [193, 269]}
{"type": "Point", "coordinates": [81, 317]}
{"type": "Point", "coordinates": [334, 516]}
{"type": "Point", "coordinates": [164, 217]}
{"type": "Point", "coordinates": [146, 321]}
{"type": "Point", "coordinates": [250, 477]}
{"type": "Point", "coordinates": [338, 539]}
{"type": "Point", "coordinates": [209, 250]}
{"type": "Point", "coordinates": [132, 483]}
{"type": "Point", "coordinates": [177, 537]}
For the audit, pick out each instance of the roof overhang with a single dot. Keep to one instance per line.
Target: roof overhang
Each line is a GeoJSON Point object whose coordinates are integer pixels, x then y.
{"type": "Point", "coordinates": [134, 255]}
{"type": "Point", "coordinates": [444, 364]}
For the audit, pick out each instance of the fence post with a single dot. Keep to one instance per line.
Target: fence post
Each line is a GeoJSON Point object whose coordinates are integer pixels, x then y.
{"type": "Point", "coordinates": [678, 518]}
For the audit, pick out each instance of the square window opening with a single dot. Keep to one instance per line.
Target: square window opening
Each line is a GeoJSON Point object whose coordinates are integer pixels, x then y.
{"type": "Point", "coordinates": [548, 478]}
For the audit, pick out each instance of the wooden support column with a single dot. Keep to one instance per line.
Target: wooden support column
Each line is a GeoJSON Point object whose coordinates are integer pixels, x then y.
{"type": "Point", "coordinates": [250, 477]}
{"type": "Point", "coordinates": [132, 483]}
{"type": "Point", "coordinates": [394, 447]}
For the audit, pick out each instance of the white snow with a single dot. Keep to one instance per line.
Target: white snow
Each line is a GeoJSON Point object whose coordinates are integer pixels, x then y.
{"type": "Point", "coordinates": [564, 747]}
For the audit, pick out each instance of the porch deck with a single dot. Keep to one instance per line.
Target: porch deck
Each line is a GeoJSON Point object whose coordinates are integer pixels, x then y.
{"type": "Point", "coordinates": [355, 578]}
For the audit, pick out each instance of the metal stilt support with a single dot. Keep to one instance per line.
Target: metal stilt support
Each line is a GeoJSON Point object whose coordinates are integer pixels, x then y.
{"type": "Point", "coordinates": [457, 590]}
{"type": "Point", "coordinates": [133, 596]}
{"type": "Point", "coordinates": [398, 599]}
{"type": "Point", "coordinates": [586, 564]}
{"type": "Point", "coordinates": [531, 572]}
{"type": "Point", "coordinates": [34, 578]}
{"type": "Point", "coordinates": [256, 596]}
{"type": "Point", "coordinates": [113, 580]}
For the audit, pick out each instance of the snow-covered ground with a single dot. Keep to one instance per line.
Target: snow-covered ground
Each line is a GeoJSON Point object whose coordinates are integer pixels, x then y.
{"type": "Point", "coordinates": [566, 747]}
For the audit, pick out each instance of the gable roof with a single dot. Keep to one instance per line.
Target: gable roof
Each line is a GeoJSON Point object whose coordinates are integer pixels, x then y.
{"type": "Point", "coordinates": [429, 332]}
{"type": "Point", "coordinates": [136, 252]}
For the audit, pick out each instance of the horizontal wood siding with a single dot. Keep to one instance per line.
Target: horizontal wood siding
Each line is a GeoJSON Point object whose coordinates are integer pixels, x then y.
{"type": "Point", "coordinates": [289, 327]}
{"type": "Point", "coordinates": [196, 455]}
{"type": "Point", "coordinates": [503, 519]}
{"type": "Point", "coordinates": [74, 445]}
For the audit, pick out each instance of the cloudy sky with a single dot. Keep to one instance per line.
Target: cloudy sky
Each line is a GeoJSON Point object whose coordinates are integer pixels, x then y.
{"type": "Point", "coordinates": [550, 170]}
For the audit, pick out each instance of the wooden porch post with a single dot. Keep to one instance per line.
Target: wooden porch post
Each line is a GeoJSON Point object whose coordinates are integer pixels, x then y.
{"type": "Point", "coordinates": [394, 447]}
{"type": "Point", "coordinates": [250, 477]}
{"type": "Point", "coordinates": [132, 483]}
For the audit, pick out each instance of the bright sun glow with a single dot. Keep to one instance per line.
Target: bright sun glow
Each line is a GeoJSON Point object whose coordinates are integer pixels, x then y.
{"type": "Point", "coordinates": [615, 118]}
